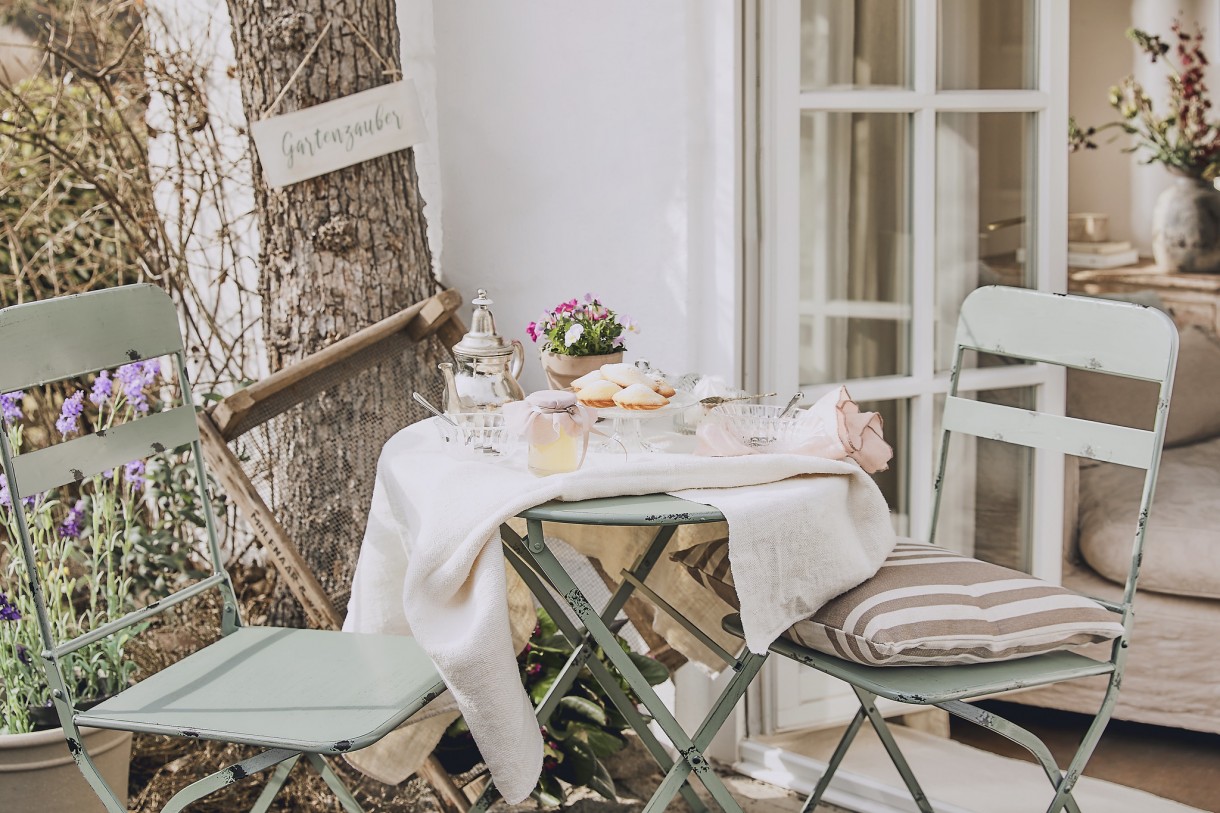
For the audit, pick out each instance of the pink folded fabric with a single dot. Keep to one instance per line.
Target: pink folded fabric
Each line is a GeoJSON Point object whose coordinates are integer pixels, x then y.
{"type": "Point", "coordinates": [833, 428]}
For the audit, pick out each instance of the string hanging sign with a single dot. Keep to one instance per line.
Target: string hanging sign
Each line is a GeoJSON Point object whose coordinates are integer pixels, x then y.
{"type": "Point", "coordinates": [340, 133]}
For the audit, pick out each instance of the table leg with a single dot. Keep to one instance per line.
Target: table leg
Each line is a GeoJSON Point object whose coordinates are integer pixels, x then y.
{"type": "Point", "coordinates": [575, 598]}
{"type": "Point", "coordinates": [582, 656]}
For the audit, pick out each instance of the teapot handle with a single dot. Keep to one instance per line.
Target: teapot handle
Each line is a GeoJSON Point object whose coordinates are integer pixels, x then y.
{"type": "Point", "coordinates": [518, 362]}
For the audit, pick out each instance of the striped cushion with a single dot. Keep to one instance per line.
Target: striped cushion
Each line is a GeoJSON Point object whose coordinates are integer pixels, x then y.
{"type": "Point", "coordinates": [929, 605]}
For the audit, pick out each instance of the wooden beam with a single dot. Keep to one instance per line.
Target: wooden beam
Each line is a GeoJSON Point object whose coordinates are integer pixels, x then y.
{"type": "Point", "coordinates": [282, 390]}
{"type": "Point", "coordinates": [289, 563]}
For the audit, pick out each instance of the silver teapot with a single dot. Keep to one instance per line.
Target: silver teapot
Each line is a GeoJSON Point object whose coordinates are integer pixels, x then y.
{"type": "Point", "coordinates": [485, 369]}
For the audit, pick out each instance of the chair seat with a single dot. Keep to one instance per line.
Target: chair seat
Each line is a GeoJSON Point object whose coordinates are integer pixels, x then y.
{"type": "Point", "coordinates": [926, 685]}
{"type": "Point", "coordinates": [316, 691]}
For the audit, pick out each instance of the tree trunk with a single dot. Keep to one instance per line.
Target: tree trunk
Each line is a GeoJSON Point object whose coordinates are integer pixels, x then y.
{"type": "Point", "coordinates": [338, 252]}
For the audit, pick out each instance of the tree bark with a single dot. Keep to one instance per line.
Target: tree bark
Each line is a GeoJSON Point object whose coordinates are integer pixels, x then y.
{"type": "Point", "coordinates": [338, 252]}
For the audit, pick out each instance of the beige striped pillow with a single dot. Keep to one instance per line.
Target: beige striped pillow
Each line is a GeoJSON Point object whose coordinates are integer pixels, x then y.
{"type": "Point", "coordinates": [929, 605]}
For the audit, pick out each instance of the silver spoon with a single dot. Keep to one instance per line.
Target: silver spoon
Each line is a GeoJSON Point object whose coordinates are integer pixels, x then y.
{"type": "Point", "coordinates": [796, 399]}
{"type": "Point", "coordinates": [717, 400]}
{"type": "Point", "coordinates": [423, 402]}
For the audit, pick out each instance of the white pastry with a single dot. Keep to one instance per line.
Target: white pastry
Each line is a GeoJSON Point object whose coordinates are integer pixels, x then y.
{"type": "Point", "coordinates": [661, 386]}
{"type": "Point", "coordinates": [640, 396]}
{"type": "Point", "coordinates": [625, 375]}
{"type": "Point", "coordinates": [587, 379]}
{"type": "Point", "coordinates": [599, 394]}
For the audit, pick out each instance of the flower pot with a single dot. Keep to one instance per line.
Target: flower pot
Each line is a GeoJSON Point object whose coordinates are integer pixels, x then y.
{"type": "Point", "coordinates": [561, 371]}
{"type": "Point", "coordinates": [37, 774]}
{"type": "Point", "coordinates": [1186, 227]}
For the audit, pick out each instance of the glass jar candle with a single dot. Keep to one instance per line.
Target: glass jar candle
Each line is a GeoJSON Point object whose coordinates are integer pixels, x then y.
{"type": "Point", "coordinates": [555, 427]}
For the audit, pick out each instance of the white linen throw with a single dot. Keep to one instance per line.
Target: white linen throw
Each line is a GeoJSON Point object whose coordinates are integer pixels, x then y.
{"type": "Point", "coordinates": [431, 565]}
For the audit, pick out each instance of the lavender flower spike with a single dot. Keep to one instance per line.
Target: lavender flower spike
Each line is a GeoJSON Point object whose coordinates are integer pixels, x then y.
{"type": "Point", "coordinates": [133, 378]}
{"type": "Point", "coordinates": [10, 406]}
{"type": "Point", "coordinates": [8, 610]}
{"type": "Point", "coordinates": [133, 472]}
{"type": "Point", "coordinates": [68, 422]}
{"type": "Point", "coordinates": [72, 525]}
{"type": "Point", "coordinates": [102, 388]}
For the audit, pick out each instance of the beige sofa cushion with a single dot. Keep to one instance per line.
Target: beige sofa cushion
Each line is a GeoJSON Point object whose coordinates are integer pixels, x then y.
{"type": "Point", "coordinates": [1182, 543]}
{"type": "Point", "coordinates": [928, 605]}
{"type": "Point", "coordinates": [1194, 411]}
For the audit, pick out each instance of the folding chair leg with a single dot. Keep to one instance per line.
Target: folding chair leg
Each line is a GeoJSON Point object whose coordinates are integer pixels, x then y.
{"type": "Point", "coordinates": [274, 784]}
{"type": "Point", "coordinates": [319, 764]}
{"type": "Point", "coordinates": [1075, 768]}
{"type": "Point", "coordinates": [675, 777]}
{"type": "Point", "coordinates": [869, 707]}
{"type": "Point", "coordinates": [840, 751]}
{"type": "Point", "coordinates": [228, 776]}
{"type": "Point", "coordinates": [1020, 736]}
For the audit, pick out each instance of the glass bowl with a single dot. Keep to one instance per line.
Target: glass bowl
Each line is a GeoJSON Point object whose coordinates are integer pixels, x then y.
{"type": "Point", "coordinates": [755, 425]}
{"type": "Point", "coordinates": [477, 434]}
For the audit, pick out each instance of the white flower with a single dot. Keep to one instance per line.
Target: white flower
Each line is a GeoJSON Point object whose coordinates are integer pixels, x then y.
{"type": "Point", "coordinates": [573, 335]}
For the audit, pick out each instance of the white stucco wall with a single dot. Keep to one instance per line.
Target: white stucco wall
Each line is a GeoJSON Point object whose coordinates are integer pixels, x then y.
{"type": "Point", "coordinates": [589, 147]}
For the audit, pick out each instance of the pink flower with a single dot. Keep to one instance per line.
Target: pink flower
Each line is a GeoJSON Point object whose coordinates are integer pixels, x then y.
{"type": "Point", "coordinates": [532, 330]}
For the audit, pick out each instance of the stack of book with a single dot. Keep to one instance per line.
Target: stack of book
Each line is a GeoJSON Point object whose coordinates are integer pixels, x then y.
{"type": "Point", "coordinates": [1109, 254]}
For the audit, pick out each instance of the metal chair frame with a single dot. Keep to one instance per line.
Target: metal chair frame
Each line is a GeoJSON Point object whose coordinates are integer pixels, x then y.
{"type": "Point", "coordinates": [1116, 338]}
{"type": "Point", "coordinates": [77, 335]}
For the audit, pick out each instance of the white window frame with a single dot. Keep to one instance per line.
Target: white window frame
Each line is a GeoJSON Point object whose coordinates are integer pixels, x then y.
{"type": "Point", "coordinates": [775, 345]}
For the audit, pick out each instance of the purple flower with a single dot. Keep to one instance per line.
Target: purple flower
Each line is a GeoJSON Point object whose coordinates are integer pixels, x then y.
{"type": "Point", "coordinates": [10, 406]}
{"type": "Point", "coordinates": [133, 472]}
{"type": "Point", "coordinates": [102, 388]}
{"type": "Point", "coordinates": [533, 670]}
{"type": "Point", "coordinates": [68, 422]}
{"type": "Point", "coordinates": [131, 378]}
{"type": "Point", "coordinates": [6, 499]}
{"type": "Point", "coordinates": [23, 654]}
{"type": "Point", "coordinates": [8, 611]}
{"type": "Point", "coordinates": [71, 527]}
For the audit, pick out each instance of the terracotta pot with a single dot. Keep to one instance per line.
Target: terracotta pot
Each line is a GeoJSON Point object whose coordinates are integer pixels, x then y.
{"type": "Point", "coordinates": [561, 371]}
{"type": "Point", "coordinates": [37, 774]}
{"type": "Point", "coordinates": [1186, 227]}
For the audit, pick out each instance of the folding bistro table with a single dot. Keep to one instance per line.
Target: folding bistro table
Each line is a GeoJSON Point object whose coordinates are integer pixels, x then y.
{"type": "Point", "coordinates": [542, 572]}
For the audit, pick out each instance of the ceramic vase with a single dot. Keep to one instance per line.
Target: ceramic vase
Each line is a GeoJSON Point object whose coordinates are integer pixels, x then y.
{"type": "Point", "coordinates": [1186, 227]}
{"type": "Point", "coordinates": [38, 775]}
{"type": "Point", "coordinates": [561, 371]}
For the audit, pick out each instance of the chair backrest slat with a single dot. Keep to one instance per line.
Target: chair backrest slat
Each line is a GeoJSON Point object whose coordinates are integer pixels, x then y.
{"type": "Point", "coordinates": [1101, 335]}
{"type": "Point", "coordinates": [1097, 441]}
{"type": "Point", "coordinates": [79, 458]}
{"type": "Point", "coordinates": [69, 336]}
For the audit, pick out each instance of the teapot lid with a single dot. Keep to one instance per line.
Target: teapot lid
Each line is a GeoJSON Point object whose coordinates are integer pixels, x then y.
{"type": "Point", "coordinates": [482, 341]}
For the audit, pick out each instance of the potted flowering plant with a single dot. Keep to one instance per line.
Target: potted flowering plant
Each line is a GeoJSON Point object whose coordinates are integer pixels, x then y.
{"type": "Point", "coordinates": [102, 548]}
{"type": "Point", "coordinates": [1184, 140]}
{"type": "Point", "coordinates": [578, 337]}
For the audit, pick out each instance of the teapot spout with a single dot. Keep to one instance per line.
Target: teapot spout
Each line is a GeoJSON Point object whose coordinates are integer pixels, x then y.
{"type": "Point", "coordinates": [452, 401]}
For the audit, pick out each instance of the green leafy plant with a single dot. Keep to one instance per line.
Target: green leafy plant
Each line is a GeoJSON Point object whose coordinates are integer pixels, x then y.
{"type": "Point", "coordinates": [103, 546]}
{"type": "Point", "coordinates": [585, 728]}
{"type": "Point", "coordinates": [574, 328]}
{"type": "Point", "coordinates": [1183, 139]}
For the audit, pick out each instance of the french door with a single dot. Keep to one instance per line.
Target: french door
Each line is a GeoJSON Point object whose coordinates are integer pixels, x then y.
{"type": "Point", "coordinates": [909, 151]}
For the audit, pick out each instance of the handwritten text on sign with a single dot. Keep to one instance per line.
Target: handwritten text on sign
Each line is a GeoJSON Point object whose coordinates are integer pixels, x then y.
{"type": "Point", "coordinates": [329, 136]}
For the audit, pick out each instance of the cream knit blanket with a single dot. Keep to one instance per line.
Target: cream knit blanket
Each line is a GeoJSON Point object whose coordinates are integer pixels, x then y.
{"type": "Point", "coordinates": [802, 530]}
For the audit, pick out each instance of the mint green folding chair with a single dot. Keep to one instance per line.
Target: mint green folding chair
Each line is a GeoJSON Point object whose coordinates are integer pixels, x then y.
{"type": "Point", "coordinates": [290, 692]}
{"type": "Point", "coordinates": [1115, 338]}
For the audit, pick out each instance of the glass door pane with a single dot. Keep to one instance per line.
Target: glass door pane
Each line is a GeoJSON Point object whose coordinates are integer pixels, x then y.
{"type": "Point", "coordinates": [984, 211]}
{"type": "Point", "coordinates": [855, 246]}
{"type": "Point", "coordinates": [854, 43]}
{"type": "Point", "coordinates": [987, 505]}
{"type": "Point", "coordinates": [986, 45]}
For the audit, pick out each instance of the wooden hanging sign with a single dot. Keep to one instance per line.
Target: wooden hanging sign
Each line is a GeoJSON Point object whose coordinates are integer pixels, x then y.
{"type": "Point", "coordinates": [320, 139]}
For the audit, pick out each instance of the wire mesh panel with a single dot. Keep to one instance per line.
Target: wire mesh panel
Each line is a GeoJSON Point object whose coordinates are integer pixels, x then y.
{"type": "Point", "coordinates": [321, 493]}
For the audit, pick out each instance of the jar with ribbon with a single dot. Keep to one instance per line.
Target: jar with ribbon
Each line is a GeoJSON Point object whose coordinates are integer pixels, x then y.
{"type": "Point", "coordinates": [556, 428]}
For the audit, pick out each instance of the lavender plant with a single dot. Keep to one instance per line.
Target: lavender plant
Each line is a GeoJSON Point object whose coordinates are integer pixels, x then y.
{"type": "Point", "coordinates": [88, 539]}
